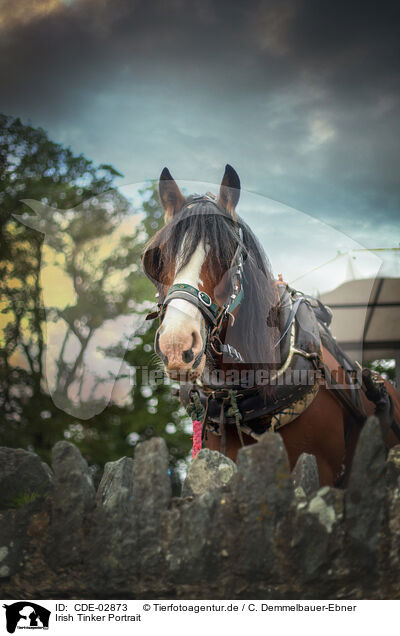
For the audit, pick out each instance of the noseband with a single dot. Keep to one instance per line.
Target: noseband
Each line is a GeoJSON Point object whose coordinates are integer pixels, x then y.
{"type": "Point", "coordinates": [213, 314]}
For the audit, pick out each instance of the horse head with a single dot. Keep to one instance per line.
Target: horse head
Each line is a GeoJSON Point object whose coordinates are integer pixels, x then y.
{"type": "Point", "coordinates": [199, 262]}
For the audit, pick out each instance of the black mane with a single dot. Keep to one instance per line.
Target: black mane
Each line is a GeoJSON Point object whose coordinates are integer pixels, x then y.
{"type": "Point", "coordinates": [253, 333]}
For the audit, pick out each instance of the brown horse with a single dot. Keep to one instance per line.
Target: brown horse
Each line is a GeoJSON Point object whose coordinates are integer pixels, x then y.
{"type": "Point", "coordinates": [219, 312]}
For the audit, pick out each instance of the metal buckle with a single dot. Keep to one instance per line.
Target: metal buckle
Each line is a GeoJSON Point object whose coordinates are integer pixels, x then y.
{"type": "Point", "coordinates": [204, 298]}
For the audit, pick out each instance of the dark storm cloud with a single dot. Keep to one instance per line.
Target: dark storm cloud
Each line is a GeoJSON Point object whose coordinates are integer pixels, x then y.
{"type": "Point", "coordinates": [303, 95]}
{"type": "Point", "coordinates": [350, 48]}
{"type": "Point", "coordinates": [357, 42]}
{"type": "Point", "coordinates": [87, 44]}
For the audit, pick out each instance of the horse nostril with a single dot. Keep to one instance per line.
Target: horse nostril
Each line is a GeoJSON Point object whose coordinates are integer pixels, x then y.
{"type": "Point", "coordinates": [196, 342]}
{"type": "Point", "coordinates": [188, 355]}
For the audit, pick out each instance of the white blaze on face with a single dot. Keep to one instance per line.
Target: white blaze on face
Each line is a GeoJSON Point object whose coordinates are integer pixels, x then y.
{"type": "Point", "coordinates": [181, 326]}
{"type": "Point", "coordinates": [190, 275]}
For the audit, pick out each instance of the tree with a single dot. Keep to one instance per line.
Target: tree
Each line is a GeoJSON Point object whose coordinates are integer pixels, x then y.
{"type": "Point", "coordinates": [80, 215]}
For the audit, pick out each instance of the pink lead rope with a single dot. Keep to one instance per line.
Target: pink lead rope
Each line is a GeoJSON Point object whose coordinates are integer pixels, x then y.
{"type": "Point", "coordinates": [196, 437]}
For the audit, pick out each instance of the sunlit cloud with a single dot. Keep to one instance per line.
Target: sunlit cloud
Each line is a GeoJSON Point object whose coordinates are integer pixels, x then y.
{"type": "Point", "coordinates": [269, 27]}
{"type": "Point", "coordinates": [320, 132]}
{"type": "Point", "coordinates": [22, 12]}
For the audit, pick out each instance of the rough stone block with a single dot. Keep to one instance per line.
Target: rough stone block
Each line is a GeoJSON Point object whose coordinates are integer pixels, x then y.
{"type": "Point", "coordinates": [264, 492]}
{"type": "Point", "coordinates": [208, 471]}
{"type": "Point", "coordinates": [317, 534]}
{"type": "Point", "coordinates": [23, 478]}
{"type": "Point", "coordinates": [393, 507]}
{"type": "Point", "coordinates": [14, 537]}
{"type": "Point", "coordinates": [114, 493]}
{"type": "Point", "coordinates": [393, 467]}
{"type": "Point", "coordinates": [364, 498]}
{"type": "Point", "coordinates": [305, 474]}
{"type": "Point", "coordinates": [151, 498]}
{"type": "Point", "coordinates": [113, 551]}
{"type": "Point", "coordinates": [73, 500]}
{"type": "Point", "coordinates": [25, 481]}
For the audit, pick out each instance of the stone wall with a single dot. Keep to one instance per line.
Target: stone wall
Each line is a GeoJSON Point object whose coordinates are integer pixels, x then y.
{"type": "Point", "coordinates": [250, 530]}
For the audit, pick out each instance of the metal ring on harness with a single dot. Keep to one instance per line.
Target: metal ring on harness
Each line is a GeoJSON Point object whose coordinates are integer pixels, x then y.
{"type": "Point", "coordinates": [204, 298]}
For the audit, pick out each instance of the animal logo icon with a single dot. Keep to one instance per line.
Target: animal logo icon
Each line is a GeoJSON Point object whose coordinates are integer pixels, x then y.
{"type": "Point", "coordinates": [25, 614]}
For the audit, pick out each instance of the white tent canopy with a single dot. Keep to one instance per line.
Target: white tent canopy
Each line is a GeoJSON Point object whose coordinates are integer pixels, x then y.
{"type": "Point", "coordinates": [366, 318]}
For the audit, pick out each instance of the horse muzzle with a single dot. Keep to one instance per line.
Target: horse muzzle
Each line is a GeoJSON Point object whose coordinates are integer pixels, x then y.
{"type": "Point", "coordinates": [182, 352]}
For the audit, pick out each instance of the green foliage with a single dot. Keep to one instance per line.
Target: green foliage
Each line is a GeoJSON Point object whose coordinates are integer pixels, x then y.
{"type": "Point", "coordinates": [22, 499]}
{"type": "Point", "coordinates": [385, 367]}
{"type": "Point", "coordinates": [78, 208]}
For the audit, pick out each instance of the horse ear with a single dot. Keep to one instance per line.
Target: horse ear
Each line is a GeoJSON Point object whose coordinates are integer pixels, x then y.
{"type": "Point", "coordinates": [229, 192]}
{"type": "Point", "coordinates": [171, 197]}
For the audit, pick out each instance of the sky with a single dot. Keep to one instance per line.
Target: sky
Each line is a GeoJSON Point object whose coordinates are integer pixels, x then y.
{"type": "Point", "coordinates": [300, 96]}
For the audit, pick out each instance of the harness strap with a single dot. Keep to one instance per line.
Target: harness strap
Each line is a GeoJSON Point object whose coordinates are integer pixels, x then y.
{"type": "Point", "coordinates": [235, 412]}
{"type": "Point", "coordinates": [196, 297]}
{"type": "Point", "coordinates": [290, 319]}
{"type": "Point", "coordinates": [222, 428]}
{"type": "Point", "coordinates": [341, 394]}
